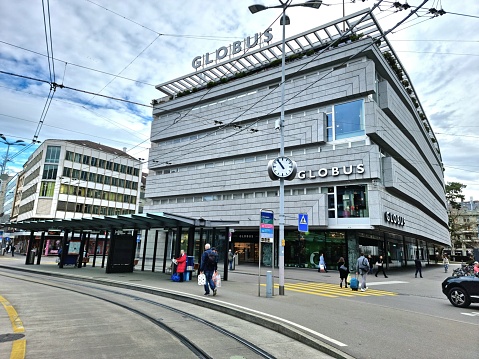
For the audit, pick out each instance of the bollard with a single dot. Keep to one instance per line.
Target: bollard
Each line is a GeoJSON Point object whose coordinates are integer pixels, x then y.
{"type": "Point", "coordinates": [269, 284]}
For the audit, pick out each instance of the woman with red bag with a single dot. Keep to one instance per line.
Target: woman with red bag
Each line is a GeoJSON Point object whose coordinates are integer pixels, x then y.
{"type": "Point", "coordinates": [181, 265]}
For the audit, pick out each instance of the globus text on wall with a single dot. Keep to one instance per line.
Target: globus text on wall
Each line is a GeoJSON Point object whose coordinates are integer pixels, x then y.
{"type": "Point", "coordinates": [333, 171]}
{"type": "Point", "coordinates": [235, 48]}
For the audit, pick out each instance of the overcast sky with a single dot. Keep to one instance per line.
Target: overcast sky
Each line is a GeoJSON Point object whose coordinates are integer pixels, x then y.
{"type": "Point", "coordinates": [122, 49]}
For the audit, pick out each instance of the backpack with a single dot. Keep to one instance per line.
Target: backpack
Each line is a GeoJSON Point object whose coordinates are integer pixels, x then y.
{"type": "Point", "coordinates": [364, 265]}
{"type": "Point", "coordinates": [211, 259]}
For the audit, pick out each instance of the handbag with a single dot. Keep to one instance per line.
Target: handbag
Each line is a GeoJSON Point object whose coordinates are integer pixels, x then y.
{"type": "Point", "coordinates": [201, 279]}
{"type": "Point", "coordinates": [217, 279]}
{"type": "Point", "coordinates": [175, 277]}
{"type": "Point", "coordinates": [348, 279]}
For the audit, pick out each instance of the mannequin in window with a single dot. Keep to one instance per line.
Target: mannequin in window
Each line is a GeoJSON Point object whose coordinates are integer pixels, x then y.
{"type": "Point", "coordinates": [346, 212]}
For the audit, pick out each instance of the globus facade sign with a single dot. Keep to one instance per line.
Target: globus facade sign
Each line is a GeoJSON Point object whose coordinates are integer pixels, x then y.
{"type": "Point", "coordinates": [333, 171]}
{"type": "Point", "coordinates": [233, 49]}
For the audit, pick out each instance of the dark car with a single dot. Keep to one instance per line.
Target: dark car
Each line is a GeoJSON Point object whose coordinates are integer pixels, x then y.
{"type": "Point", "coordinates": [461, 291]}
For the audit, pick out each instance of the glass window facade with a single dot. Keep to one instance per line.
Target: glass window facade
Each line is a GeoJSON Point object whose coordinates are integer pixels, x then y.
{"type": "Point", "coordinates": [53, 154]}
{"type": "Point", "coordinates": [346, 120]}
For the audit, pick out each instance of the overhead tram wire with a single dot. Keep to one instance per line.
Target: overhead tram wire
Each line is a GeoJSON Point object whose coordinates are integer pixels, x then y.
{"type": "Point", "coordinates": [52, 71]}
{"type": "Point", "coordinates": [80, 66]}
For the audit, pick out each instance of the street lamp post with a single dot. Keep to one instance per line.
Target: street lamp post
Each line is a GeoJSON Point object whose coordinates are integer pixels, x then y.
{"type": "Point", "coordinates": [8, 143]}
{"type": "Point", "coordinates": [315, 4]}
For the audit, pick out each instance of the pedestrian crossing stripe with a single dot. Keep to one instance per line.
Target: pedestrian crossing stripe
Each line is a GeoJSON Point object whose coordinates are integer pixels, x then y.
{"type": "Point", "coordinates": [332, 290]}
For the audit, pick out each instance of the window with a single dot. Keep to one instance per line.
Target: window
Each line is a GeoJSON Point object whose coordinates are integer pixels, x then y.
{"type": "Point", "coordinates": [352, 201]}
{"type": "Point", "coordinates": [77, 158]}
{"type": "Point", "coordinates": [109, 165]}
{"type": "Point", "coordinates": [116, 167]}
{"type": "Point", "coordinates": [69, 156]}
{"type": "Point", "coordinates": [346, 120]}
{"type": "Point", "coordinates": [101, 163]}
{"type": "Point", "coordinates": [92, 177]}
{"type": "Point", "coordinates": [50, 171]}
{"type": "Point", "coordinates": [75, 174]}
{"type": "Point", "coordinates": [84, 175]}
{"type": "Point", "coordinates": [67, 172]}
{"type": "Point", "coordinates": [107, 180]}
{"type": "Point", "coordinates": [114, 181]}
{"type": "Point", "coordinates": [46, 189]}
{"type": "Point", "coordinates": [86, 160]}
{"type": "Point", "coordinates": [123, 168]}
{"type": "Point", "coordinates": [53, 154]}
{"type": "Point", "coordinates": [93, 161]}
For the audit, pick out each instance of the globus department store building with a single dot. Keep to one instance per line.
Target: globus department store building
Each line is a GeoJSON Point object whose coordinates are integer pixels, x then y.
{"type": "Point", "coordinates": [370, 175]}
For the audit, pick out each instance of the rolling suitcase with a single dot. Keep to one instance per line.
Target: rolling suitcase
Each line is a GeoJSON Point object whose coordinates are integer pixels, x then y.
{"type": "Point", "coordinates": [354, 284]}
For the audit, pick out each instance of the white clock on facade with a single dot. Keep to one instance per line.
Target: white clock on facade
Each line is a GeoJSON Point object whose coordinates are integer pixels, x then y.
{"type": "Point", "coordinates": [282, 167]}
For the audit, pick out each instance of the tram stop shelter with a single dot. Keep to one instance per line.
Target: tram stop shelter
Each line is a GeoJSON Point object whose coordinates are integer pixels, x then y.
{"type": "Point", "coordinates": [121, 233]}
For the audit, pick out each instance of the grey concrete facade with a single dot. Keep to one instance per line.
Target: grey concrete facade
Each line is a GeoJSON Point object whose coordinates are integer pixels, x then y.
{"type": "Point", "coordinates": [210, 148]}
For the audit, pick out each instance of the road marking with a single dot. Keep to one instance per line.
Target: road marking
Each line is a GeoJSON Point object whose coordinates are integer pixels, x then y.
{"type": "Point", "coordinates": [331, 290]}
{"type": "Point", "coordinates": [17, 324]}
{"type": "Point", "coordinates": [472, 314]}
{"type": "Point", "coordinates": [386, 282]}
{"type": "Point", "coordinates": [18, 349]}
{"type": "Point", "coordinates": [19, 345]}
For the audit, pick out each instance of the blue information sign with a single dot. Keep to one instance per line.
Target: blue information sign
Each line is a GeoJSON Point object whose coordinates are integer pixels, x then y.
{"type": "Point", "coordinates": [266, 225]}
{"type": "Point", "coordinates": [302, 222]}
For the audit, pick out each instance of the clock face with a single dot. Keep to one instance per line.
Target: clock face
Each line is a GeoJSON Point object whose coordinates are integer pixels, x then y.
{"type": "Point", "coordinates": [282, 167]}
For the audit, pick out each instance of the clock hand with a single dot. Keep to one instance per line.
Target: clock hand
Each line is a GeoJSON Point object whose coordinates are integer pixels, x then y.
{"type": "Point", "coordinates": [279, 162]}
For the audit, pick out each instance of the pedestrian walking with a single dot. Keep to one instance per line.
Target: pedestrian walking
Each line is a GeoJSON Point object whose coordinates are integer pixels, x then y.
{"type": "Point", "coordinates": [371, 264]}
{"type": "Point", "coordinates": [343, 273]}
{"type": "Point", "coordinates": [362, 268]}
{"type": "Point", "coordinates": [181, 265]}
{"type": "Point", "coordinates": [380, 265]}
{"type": "Point", "coordinates": [231, 257]}
{"type": "Point", "coordinates": [208, 266]}
{"type": "Point", "coordinates": [418, 264]}
{"type": "Point", "coordinates": [445, 262]}
{"type": "Point", "coordinates": [13, 250]}
{"type": "Point", "coordinates": [322, 264]}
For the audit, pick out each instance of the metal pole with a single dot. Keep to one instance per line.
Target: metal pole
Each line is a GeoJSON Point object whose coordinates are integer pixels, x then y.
{"type": "Point", "coordinates": [281, 153]}
{"type": "Point", "coordinates": [5, 161]}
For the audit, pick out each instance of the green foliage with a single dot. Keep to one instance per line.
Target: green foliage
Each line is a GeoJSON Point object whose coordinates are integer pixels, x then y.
{"type": "Point", "coordinates": [211, 84]}
{"type": "Point", "coordinates": [454, 193]}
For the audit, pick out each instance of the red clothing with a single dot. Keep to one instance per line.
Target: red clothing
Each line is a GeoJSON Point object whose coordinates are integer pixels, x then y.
{"type": "Point", "coordinates": [181, 267]}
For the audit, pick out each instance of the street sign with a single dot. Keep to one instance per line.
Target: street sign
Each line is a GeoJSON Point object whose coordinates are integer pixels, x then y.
{"type": "Point", "coordinates": [266, 226]}
{"type": "Point", "coordinates": [303, 222]}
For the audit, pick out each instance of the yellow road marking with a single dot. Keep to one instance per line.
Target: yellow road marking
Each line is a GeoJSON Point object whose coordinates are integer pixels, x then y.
{"type": "Point", "coordinates": [331, 290]}
{"type": "Point", "coordinates": [17, 324]}
{"type": "Point", "coordinates": [19, 348]}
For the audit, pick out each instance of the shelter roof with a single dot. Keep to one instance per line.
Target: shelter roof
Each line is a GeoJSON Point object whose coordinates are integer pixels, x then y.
{"type": "Point", "coordinates": [130, 221]}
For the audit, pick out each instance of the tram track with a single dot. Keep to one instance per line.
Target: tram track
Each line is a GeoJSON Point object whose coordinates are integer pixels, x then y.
{"type": "Point", "coordinates": [172, 321]}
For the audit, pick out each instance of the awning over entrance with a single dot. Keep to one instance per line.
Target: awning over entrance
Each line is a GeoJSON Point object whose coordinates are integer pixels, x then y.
{"type": "Point", "coordinates": [123, 222]}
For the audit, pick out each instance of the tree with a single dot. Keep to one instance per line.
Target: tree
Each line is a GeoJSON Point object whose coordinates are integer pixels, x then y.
{"type": "Point", "coordinates": [453, 194]}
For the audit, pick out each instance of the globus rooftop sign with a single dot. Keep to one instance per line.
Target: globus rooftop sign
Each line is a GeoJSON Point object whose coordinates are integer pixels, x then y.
{"type": "Point", "coordinates": [232, 50]}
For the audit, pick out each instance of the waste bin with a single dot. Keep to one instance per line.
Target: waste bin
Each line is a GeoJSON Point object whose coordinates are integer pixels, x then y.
{"type": "Point", "coordinates": [31, 257]}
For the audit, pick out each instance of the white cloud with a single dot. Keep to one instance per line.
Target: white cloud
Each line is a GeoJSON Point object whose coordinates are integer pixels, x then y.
{"type": "Point", "coordinates": [90, 34]}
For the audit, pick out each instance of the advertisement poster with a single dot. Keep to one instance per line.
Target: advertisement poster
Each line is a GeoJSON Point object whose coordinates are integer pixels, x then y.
{"type": "Point", "coordinates": [74, 247]}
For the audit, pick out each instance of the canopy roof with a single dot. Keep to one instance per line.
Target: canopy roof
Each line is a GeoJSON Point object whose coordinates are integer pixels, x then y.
{"type": "Point", "coordinates": [130, 221]}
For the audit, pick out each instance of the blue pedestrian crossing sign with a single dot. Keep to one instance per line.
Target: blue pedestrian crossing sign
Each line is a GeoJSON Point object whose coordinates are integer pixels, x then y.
{"type": "Point", "coordinates": [303, 222]}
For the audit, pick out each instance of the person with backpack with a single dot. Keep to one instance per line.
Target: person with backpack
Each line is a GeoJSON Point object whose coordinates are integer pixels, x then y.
{"type": "Point", "coordinates": [362, 268]}
{"type": "Point", "coordinates": [208, 266]}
